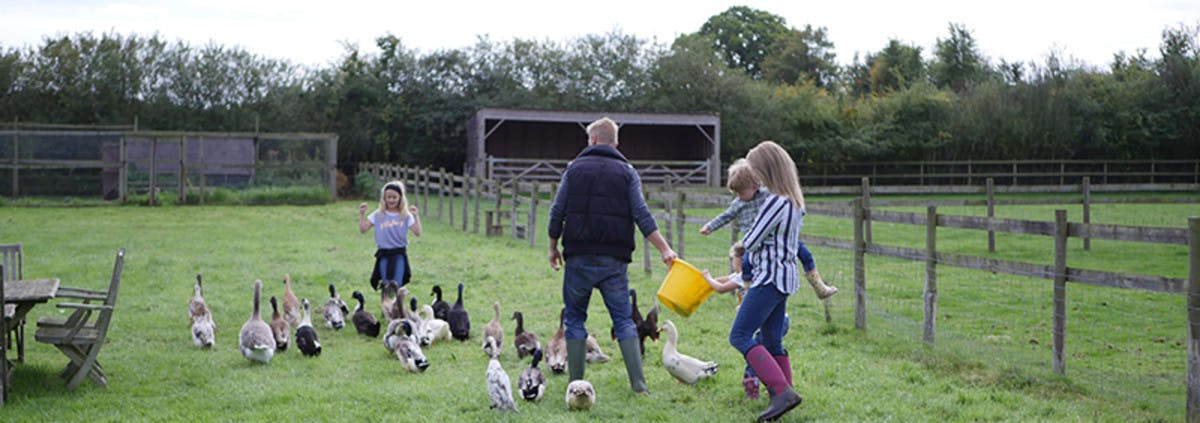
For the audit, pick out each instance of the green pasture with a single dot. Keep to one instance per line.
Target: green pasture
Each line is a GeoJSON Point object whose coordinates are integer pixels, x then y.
{"type": "Point", "coordinates": [991, 362]}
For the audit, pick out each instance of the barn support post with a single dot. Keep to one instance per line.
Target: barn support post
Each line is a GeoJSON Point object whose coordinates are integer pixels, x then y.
{"type": "Point", "coordinates": [1193, 317]}
{"type": "Point", "coordinates": [1060, 290]}
{"type": "Point", "coordinates": [1086, 187]}
{"type": "Point", "coordinates": [930, 274]}
{"type": "Point", "coordinates": [866, 204]}
{"type": "Point", "coordinates": [860, 271]}
{"type": "Point", "coordinates": [991, 214]}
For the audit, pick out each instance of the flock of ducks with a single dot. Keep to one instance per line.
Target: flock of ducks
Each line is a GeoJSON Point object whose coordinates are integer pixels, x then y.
{"type": "Point", "coordinates": [406, 328]}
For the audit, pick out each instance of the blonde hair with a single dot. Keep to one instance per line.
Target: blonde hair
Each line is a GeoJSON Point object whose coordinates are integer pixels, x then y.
{"type": "Point", "coordinates": [742, 175]}
{"type": "Point", "coordinates": [777, 170]}
{"type": "Point", "coordinates": [736, 250]}
{"type": "Point", "coordinates": [402, 205]}
{"type": "Point", "coordinates": [603, 130]}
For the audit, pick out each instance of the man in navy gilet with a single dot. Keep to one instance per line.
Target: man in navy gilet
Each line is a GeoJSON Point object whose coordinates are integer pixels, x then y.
{"type": "Point", "coordinates": [598, 203]}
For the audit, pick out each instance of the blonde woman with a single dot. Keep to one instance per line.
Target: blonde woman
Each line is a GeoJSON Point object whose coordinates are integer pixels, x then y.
{"type": "Point", "coordinates": [771, 249]}
{"type": "Point", "coordinates": [393, 220]}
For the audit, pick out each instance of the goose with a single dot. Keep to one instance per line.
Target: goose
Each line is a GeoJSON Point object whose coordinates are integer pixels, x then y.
{"type": "Point", "coordinates": [279, 327]}
{"type": "Point", "coordinates": [255, 340]}
{"type": "Point", "coordinates": [364, 322]}
{"type": "Point", "coordinates": [581, 395]}
{"type": "Point", "coordinates": [440, 308]}
{"type": "Point", "coordinates": [335, 310]}
{"type": "Point", "coordinates": [408, 351]}
{"type": "Point", "coordinates": [387, 301]}
{"type": "Point", "coordinates": [556, 349]}
{"type": "Point", "coordinates": [524, 342]}
{"type": "Point", "coordinates": [499, 386]}
{"type": "Point", "coordinates": [291, 304]}
{"type": "Point", "coordinates": [306, 336]}
{"type": "Point", "coordinates": [460, 321]}
{"type": "Point", "coordinates": [532, 383]}
{"type": "Point", "coordinates": [686, 369]}
{"type": "Point", "coordinates": [648, 328]}
{"type": "Point", "coordinates": [433, 328]}
{"type": "Point", "coordinates": [494, 331]}
{"type": "Point", "coordinates": [594, 354]}
{"type": "Point", "coordinates": [203, 327]}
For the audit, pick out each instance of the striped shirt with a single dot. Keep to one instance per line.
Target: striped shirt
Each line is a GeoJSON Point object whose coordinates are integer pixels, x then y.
{"type": "Point", "coordinates": [741, 213]}
{"type": "Point", "coordinates": [771, 244]}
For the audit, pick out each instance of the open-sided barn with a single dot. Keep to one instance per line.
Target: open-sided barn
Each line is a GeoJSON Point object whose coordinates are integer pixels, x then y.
{"type": "Point", "coordinates": [538, 144]}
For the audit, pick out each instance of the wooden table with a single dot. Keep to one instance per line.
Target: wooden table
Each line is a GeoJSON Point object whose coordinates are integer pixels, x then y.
{"type": "Point", "coordinates": [19, 298]}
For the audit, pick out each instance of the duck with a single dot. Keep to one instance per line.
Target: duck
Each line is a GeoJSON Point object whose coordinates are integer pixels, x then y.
{"type": "Point", "coordinates": [556, 349]}
{"type": "Point", "coordinates": [494, 331]}
{"type": "Point", "coordinates": [306, 336]}
{"type": "Point", "coordinates": [387, 301]}
{"type": "Point", "coordinates": [580, 395]}
{"type": "Point", "coordinates": [203, 328]}
{"type": "Point", "coordinates": [594, 354]}
{"type": "Point", "coordinates": [255, 340]}
{"type": "Point", "coordinates": [499, 386]}
{"type": "Point", "coordinates": [335, 310]}
{"type": "Point", "coordinates": [408, 351]}
{"type": "Point", "coordinates": [686, 369]}
{"type": "Point", "coordinates": [291, 304]}
{"type": "Point", "coordinates": [532, 382]}
{"type": "Point", "coordinates": [440, 308]}
{"type": "Point", "coordinates": [524, 342]}
{"type": "Point", "coordinates": [460, 321]}
{"type": "Point", "coordinates": [647, 328]}
{"type": "Point", "coordinates": [432, 329]}
{"type": "Point", "coordinates": [279, 326]}
{"type": "Point", "coordinates": [364, 322]}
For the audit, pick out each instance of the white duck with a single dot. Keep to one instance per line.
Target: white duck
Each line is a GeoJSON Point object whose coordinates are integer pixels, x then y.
{"type": "Point", "coordinates": [335, 310]}
{"type": "Point", "coordinates": [581, 395]}
{"type": "Point", "coordinates": [499, 387]}
{"type": "Point", "coordinates": [686, 369]}
{"type": "Point", "coordinates": [203, 327]}
{"type": "Point", "coordinates": [433, 328]}
{"type": "Point", "coordinates": [532, 382]}
{"type": "Point", "coordinates": [255, 340]}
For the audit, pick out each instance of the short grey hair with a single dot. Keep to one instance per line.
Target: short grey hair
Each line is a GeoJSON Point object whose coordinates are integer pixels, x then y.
{"type": "Point", "coordinates": [604, 130]}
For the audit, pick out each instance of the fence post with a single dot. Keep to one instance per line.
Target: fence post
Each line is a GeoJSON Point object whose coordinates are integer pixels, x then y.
{"type": "Point", "coordinates": [866, 204]}
{"type": "Point", "coordinates": [423, 177]}
{"type": "Point", "coordinates": [991, 214]}
{"type": "Point", "coordinates": [153, 170]}
{"type": "Point", "coordinates": [512, 216]}
{"type": "Point", "coordinates": [667, 216]}
{"type": "Point", "coordinates": [123, 171]}
{"type": "Point", "coordinates": [930, 274]}
{"type": "Point", "coordinates": [679, 222]}
{"type": "Point", "coordinates": [533, 205]}
{"type": "Point", "coordinates": [182, 182]}
{"type": "Point", "coordinates": [466, 195]}
{"type": "Point", "coordinates": [860, 271]}
{"type": "Point", "coordinates": [1087, 213]}
{"type": "Point", "coordinates": [646, 242]}
{"type": "Point", "coordinates": [1193, 316]}
{"type": "Point", "coordinates": [1060, 290]}
{"type": "Point", "coordinates": [442, 194]}
{"type": "Point", "coordinates": [477, 184]}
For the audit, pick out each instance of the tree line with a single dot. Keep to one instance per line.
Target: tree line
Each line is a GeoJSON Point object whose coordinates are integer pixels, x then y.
{"type": "Point", "coordinates": [764, 78]}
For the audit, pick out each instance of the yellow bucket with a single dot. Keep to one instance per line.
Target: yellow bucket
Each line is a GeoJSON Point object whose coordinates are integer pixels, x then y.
{"type": "Point", "coordinates": [684, 289]}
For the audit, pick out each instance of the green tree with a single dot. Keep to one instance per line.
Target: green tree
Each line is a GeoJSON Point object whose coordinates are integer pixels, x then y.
{"type": "Point", "coordinates": [957, 61]}
{"type": "Point", "coordinates": [896, 67]}
{"type": "Point", "coordinates": [801, 55]}
{"type": "Point", "coordinates": [743, 36]}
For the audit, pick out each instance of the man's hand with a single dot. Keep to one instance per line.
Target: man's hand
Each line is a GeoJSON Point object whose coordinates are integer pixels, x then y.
{"type": "Point", "coordinates": [556, 260]}
{"type": "Point", "coordinates": [669, 256]}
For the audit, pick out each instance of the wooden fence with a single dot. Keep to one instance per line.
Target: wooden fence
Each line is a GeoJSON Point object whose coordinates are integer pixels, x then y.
{"type": "Point", "coordinates": [512, 205]}
{"type": "Point", "coordinates": [1012, 173]}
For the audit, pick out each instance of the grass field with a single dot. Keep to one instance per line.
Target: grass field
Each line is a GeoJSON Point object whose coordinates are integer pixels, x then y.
{"type": "Point", "coordinates": [1126, 353]}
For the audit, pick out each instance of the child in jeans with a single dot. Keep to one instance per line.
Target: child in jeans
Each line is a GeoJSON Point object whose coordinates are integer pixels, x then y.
{"type": "Point", "coordinates": [745, 184]}
{"type": "Point", "coordinates": [737, 285]}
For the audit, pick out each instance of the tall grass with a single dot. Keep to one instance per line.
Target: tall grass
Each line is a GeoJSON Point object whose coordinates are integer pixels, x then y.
{"type": "Point", "coordinates": [1122, 345]}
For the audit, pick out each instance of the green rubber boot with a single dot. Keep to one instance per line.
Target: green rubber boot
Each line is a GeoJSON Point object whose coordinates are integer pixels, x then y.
{"type": "Point", "coordinates": [576, 358]}
{"type": "Point", "coordinates": [631, 352]}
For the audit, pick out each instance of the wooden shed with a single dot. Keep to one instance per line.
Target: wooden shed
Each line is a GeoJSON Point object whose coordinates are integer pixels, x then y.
{"type": "Point", "coordinates": [538, 144]}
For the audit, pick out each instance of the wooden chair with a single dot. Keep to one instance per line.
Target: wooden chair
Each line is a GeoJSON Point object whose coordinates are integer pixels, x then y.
{"type": "Point", "coordinates": [81, 334]}
{"type": "Point", "coordinates": [10, 259]}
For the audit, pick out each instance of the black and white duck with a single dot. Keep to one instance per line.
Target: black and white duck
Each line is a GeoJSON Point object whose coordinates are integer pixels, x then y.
{"type": "Point", "coordinates": [306, 336]}
{"type": "Point", "coordinates": [532, 382]}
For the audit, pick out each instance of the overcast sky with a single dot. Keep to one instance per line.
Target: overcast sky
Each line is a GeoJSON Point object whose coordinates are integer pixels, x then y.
{"type": "Point", "coordinates": [312, 32]}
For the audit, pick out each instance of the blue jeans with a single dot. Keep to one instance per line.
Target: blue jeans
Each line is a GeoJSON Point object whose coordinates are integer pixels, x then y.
{"type": "Point", "coordinates": [398, 276]}
{"type": "Point", "coordinates": [582, 274]}
{"type": "Point", "coordinates": [764, 309]}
